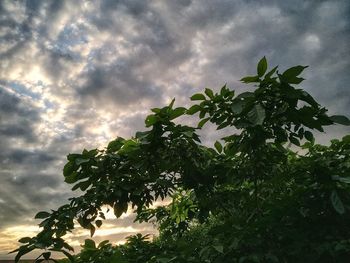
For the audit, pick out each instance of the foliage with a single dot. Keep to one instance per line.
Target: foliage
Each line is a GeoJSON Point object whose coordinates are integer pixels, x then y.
{"type": "Point", "coordinates": [264, 193]}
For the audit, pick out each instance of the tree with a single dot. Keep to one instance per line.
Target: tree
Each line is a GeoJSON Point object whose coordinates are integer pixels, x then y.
{"type": "Point", "coordinates": [253, 197]}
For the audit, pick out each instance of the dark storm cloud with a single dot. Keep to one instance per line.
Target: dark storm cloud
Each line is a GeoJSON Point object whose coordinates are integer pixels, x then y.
{"type": "Point", "coordinates": [17, 118]}
{"type": "Point", "coordinates": [119, 83]}
{"type": "Point", "coordinates": [25, 185]}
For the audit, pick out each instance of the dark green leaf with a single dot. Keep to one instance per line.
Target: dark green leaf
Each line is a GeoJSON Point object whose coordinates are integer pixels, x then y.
{"type": "Point", "coordinates": [250, 79]}
{"type": "Point", "coordinates": [82, 185]}
{"type": "Point", "coordinates": [270, 73]}
{"type": "Point", "coordinates": [103, 243]}
{"type": "Point", "coordinates": [47, 255]}
{"type": "Point", "coordinates": [156, 110]}
{"type": "Point", "coordinates": [42, 215]}
{"type": "Point", "coordinates": [346, 139]}
{"type": "Point", "coordinates": [237, 106]}
{"type": "Point", "coordinates": [295, 80]}
{"type": "Point", "coordinates": [172, 103]}
{"type": "Point", "coordinates": [92, 230]}
{"type": "Point", "coordinates": [294, 140]}
{"type": "Point", "coordinates": [177, 112]}
{"type": "Point", "coordinates": [80, 161]}
{"type": "Point", "coordinates": [68, 168]}
{"type": "Point", "coordinates": [120, 208]}
{"type": "Point", "coordinates": [98, 223]}
{"type": "Point", "coordinates": [72, 178]}
{"type": "Point", "coordinates": [219, 249]}
{"type": "Point", "coordinates": [244, 95]}
{"type": "Point", "coordinates": [223, 125]}
{"type": "Point", "coordinates": [115, 145]}
{"type": "Point", "coordinates": [198, 96]}
{"type": "Point", "coordinates": [340, 119]}
{"type": "Point", "coordinates": [25, 240]}
{"type": "Point", "coordinates": [257, 115]}
{"type": "Point", "coordinates": [218, 146]}
{"type": "Point", "coordinates": [309, 136]}
{"type": "Point", "coordinates": [66, 246]}
{"type": "Point", "coordinates": [194, 109]}
{"type": "Point", "coordinates": [22, 251]}
{"type": "Point", "coordinates": [150, 120]}
{"type": "Point", "coordinates": [202, 122]}
{"type": "Point", "coordinates": [293, 72]}
{"type": "Point", "coordinates": [89, 243]}
{"type": "Point", "coordinates": [209, 93]}
{"type": "Point", "coordinates": [262, 67]}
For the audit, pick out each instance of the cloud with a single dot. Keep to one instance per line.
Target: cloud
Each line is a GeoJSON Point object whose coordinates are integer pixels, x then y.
{"type": "Point", "coordinates": [76, 75]}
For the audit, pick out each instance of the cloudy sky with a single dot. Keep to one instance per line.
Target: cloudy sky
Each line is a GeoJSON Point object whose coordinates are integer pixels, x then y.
{"type": "Point", "coordinates": [76, 74]}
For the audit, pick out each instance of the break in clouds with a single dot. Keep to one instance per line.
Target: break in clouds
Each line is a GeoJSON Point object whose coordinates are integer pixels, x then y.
{"type": "Point", "coordinates": [76, 74]}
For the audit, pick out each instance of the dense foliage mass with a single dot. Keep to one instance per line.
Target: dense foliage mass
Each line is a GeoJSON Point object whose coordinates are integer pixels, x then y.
{"type": "Point", "coordinates": [264, 193]}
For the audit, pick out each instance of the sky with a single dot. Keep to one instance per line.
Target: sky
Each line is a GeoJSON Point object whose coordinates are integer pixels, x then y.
{"type": "Point", "coordinates": [77, 74]}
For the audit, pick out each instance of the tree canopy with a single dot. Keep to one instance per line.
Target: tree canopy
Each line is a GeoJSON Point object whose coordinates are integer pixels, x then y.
{"type": "Point", "coordinates": [266, 192]}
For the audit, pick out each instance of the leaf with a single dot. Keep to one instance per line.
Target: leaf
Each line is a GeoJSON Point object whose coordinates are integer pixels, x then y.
{"type": "Point", "coordinates": [202, 122]}
{"type": "Point", "coordinates": [120, 208]}
{"type": "Point", "coordinates": [250, 79]}
{"type": "Point", "coordinates": [172, 103]}
{"type": "Point", "coordinates": [67, 246]}
{"type": "Point", "coordinates": [68, 168]}
{"type": "Point", "coordinates": [80, 161]}
{"type": "Point", "coordinates": [223, 125]}
{"type": "Point", "coordinates": [103, 243]}
{"type": "Point", "coordinates": [116, 144]}
{"type": "Point", "coordinates": [219, 249]}
{"type": "Point", "coordinates": [294, 140]}
{"type": "Point", "coordinates": [218, 146]}
{"type": "Point", "coordinates": [257, 115]}
{"type": "Point", "coordinates": [309, 136]}
{"type": "Point", "coordinates": [244, 95]}
{"type": "Point", "coordinates": [203, 250]}
{"type": "Point", "coordinates": [209, 93]}
{"type": "Point", "coordinates": [293, 72]}
{"type": "Point", "coordinates": [346, 139]}
{"type": "Point", "coordinates": [22, 251]}
{"type": "Point", "coordinates": [71, 178]}
{"type": "Point", "coordinates": [92, 230]}
{"type": "Point", "coordinates": [237, 106]}
{"type": "Point", "coordinates": [337, 203]}
{"type": "Point", "coordinates": [89, 243]}
{"type": "Point", "coordinates": [270, 73]}
{"type": "Point", "coordinates": [198, 96]}
{"type": "Point", "coordinates": [42, 215]}
{"type": "Point", "coordinates": [25, 240]}
{"type": "Point", "coordinates": [262, 67]}
{"type": "Point", "coordinates": [177, 112]}
{"type": "Point", "coordinates": [98, 223]}
{"type": "Point", "coordinates": [194, 109]}
{"type": "Point", "coordinates": [295, 80]}
{"type": "Point", "coordinates": [150, 120]}
{"type": "Point", "coordinates": [46, 255]}
{"type": "Point", "coordinates": [156, 110]}
{"type": "Point", "coordinates": [82, 185]}
{"type": "Point", "coordinates": [202, 114]}
{"type": "Point", "coordinates": [224, 90]}
{"type": "Point", "coordinates": [340, 119]}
